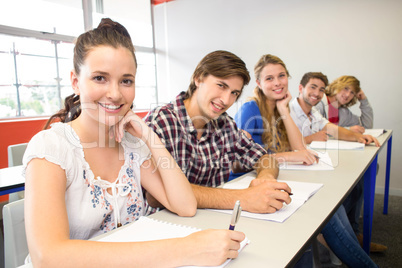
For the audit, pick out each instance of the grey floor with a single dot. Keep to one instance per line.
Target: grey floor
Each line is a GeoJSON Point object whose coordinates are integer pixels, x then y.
{"type": "Point", "coordinates": [387, 230]}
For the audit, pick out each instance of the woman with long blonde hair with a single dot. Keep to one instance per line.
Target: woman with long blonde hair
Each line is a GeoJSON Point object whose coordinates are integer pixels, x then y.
{"type": "Point", "coordinates": [267, 117]}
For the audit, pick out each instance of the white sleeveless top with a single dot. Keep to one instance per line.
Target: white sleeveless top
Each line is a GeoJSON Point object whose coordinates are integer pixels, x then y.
{"type": "Point", "coordinates": [91, 209]}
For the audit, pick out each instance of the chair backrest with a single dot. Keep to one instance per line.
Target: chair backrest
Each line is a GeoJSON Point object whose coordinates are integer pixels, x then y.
{"type": "Point", "coordinates": [15, 154]}
{"type": "Point", "coordinates": [15, 242]}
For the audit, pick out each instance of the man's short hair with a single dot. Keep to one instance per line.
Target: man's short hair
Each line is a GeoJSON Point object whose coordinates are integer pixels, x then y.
{"type": "Point", "coordinates": [311, 75]}
{"type": "Point", "coordinates": [221, 64]}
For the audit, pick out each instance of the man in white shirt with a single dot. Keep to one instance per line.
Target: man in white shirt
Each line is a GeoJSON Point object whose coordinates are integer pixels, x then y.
{"type": "Point", "coordinates": [312, 125]}
{"type": "Point", "coordinates": [315, 127]}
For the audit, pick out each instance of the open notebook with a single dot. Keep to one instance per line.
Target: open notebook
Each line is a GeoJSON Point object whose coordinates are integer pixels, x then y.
{"type": "Point", "coordinates": [302, 191]}
{"type": "Point", "coordinates": [148, 229]}
{"type": "Point", "coordinates": [336, 145]}
{"type": "Point", "coordinates": [324, 163]}
{"type": "Point", "coordinates": [375, 132]}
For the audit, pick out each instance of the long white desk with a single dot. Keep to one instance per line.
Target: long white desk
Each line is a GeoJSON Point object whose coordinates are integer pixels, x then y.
{"type": "Point", "coordinates": [281, 244]}
{"type": "Point", "coordinates": [11, 180]}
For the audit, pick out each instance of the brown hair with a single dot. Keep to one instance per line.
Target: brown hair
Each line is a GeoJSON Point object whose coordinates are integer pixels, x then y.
{"type": "Point", "coordinates": [222, 64]}
{"type": "Point", "coordinates": [340, 83]}
{"type": "Point", "coordinates": [274, 136]}
{"type": "Point", "coordinates": [108, 33]}
{"type": "Point", "coordinates": [311, 75]}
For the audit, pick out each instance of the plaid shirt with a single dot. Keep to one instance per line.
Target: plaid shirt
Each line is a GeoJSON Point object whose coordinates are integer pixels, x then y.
{"type": "Point", "coordinates": [206, 161]}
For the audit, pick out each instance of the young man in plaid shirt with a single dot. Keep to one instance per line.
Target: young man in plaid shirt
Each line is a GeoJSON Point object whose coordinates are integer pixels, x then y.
{"type": "Point", "coordinates": [207, 145]}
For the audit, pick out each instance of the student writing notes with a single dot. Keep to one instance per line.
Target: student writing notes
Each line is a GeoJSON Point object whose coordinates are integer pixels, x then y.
{"type": "Point", "coordinates": [207, 144]}
{"type": "Point", "coordinates": [315, 127]}
{"type": "Point", "coordinates": [312, 125]}
{"type": "Point", "coordinates": [341, 94]}
{"type": "Point", "coordinates": [279, 133]}
{"type": "Point", "coordinates": [84, 175]}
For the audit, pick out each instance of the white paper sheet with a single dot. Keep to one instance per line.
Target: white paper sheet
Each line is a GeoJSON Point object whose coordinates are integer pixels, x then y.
{"type": "Point", "coordinates": [148, 229]}
{"type": "Point", "coordinates": [324, 163]}
{"type": "Point", "coordinates": [302, 191]}
{"type": "Point", "coordinates": [375, 132]}
{"type": "Point", "coordinates": [336, 145]}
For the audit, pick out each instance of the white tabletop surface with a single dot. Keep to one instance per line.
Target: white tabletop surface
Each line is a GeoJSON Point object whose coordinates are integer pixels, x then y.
{"type": "Point", "coordinates": [11, 176]}
{"type": "Point", "coordinates": [275, 244]}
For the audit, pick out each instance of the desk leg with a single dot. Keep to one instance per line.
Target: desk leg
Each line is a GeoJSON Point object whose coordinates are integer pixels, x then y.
{"type": "Point", "coordinates": [316, 254]}
{"type": "Point", "coordinates": [387, 175]}
{"type": "Point", "coordinates": [369, 191]}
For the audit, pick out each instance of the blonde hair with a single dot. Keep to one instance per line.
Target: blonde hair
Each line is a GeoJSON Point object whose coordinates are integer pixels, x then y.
{"type": "Point", "coordinates": [274, 137]}
{"type": "Point", "coordinates": [340, 83]}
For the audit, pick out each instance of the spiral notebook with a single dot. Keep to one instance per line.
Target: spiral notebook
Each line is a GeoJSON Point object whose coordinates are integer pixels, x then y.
{"type": "Point", "coordinates": [148, 229]}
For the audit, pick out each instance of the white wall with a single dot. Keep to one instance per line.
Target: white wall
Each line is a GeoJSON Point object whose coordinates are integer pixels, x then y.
{"type": "Point", "coordinates": [357, 37]}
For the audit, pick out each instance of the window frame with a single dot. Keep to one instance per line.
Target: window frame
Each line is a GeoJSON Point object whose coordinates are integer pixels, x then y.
{"type": "Point", "coordinates": [57, 38]}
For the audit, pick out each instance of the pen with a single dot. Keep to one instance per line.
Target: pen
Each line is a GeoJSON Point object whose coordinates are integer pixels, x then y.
{"type": "Point", "coordinates": [235, 215]}
{"type": "Point", "coordinates": [289, 193]}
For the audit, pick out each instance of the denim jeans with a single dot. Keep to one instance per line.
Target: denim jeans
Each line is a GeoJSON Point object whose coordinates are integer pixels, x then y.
{"type": "Point", "coordinates": [342, 240]}
{"type": "Point", "coordinates": [353, 205]}
{"type": "Point", "coordinates": [306, 260]}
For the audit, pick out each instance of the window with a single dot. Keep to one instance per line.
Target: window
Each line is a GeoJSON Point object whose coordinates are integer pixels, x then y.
{"type": "Point", "coordinates": [36, 57]}
{"type": "Point", "coordinates": [136, 17]}
{"type": "Point", "coordinates": [35, 76]}
{"type": "Point", "coordinates": [60, 16]}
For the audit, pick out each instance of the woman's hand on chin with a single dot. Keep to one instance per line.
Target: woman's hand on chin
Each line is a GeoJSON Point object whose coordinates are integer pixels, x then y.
{"type": "Point", "coordinates": [282, 104]}
{"type": "Point", "coordinates": [131, 123]}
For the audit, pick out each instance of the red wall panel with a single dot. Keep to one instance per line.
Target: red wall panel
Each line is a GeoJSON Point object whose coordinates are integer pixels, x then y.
{"type": "Point", "coordinates": [20, 131]}
{"type": "Point", "coordinates": [157, 2]}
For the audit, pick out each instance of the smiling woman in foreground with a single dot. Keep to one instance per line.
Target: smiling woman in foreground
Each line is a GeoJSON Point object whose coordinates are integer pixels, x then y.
{"type": "Point", "coordinates": [84, 175]}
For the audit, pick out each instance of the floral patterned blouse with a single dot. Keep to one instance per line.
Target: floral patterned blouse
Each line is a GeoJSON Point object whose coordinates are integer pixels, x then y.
{"type": "Point", "coordinates": [91, 209]}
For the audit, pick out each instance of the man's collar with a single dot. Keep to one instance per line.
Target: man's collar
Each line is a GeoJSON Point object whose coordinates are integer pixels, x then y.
{"type": "Point", "coordinates": [304, 104]}
{"type": "Point", "coordinates": [213, 124]}
{"type": "Point", "coordinates": [182, 112]}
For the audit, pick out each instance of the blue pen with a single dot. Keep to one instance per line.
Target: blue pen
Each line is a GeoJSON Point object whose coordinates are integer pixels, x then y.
{"type": "Point", "coordinates": [235, 215]}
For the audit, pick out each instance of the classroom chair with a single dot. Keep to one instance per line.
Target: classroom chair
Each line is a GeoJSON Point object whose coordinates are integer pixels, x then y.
{"type": "Point", "coordinates": [15, 154]}
{"type": "Point", "coordinates": [15, 241]}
